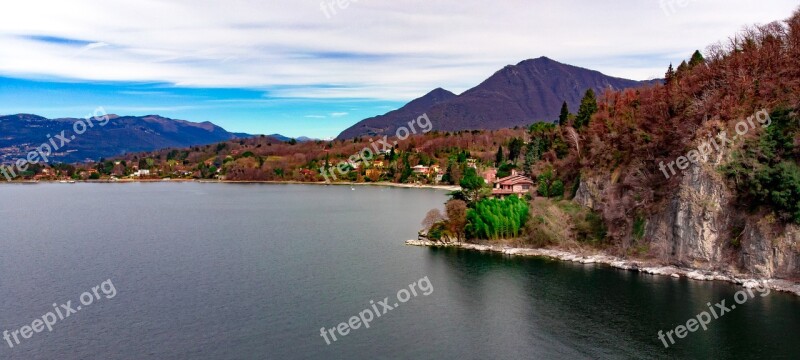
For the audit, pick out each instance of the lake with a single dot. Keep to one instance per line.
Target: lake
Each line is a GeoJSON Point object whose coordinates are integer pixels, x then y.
{"type": "Point", "coordinates": [254, 271]}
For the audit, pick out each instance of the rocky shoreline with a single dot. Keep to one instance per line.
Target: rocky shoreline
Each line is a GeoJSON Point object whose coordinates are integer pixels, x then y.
{"type": "Point", "coordinates": [631, 265]}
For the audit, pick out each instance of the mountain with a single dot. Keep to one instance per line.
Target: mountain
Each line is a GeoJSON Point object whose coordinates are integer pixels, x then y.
{"type": "Point", "coordinates": [121, 134]}
{"type": "Point", "coordinates": [242, 135]}
{"type": "Point", "coordinates": [517, 95]}
{"type": "Point", "coordinates": [388, 123]}
{"type": "Point", "coordinates": [286, 138]}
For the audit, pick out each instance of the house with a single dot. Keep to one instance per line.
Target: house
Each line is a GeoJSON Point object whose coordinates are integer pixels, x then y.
{"type": "Point", "coordinates": [144, 172]}
{"type": "Point", "coordinates": [379, 164]}
{"type": "Point", "coordinates": [489, 175]}
{"type": "Point", "coordinates": [420, 169]}
{"type": "Point", "coordinates": [439, 176]}
{"type": "Point", "coordinates": [515, 184]}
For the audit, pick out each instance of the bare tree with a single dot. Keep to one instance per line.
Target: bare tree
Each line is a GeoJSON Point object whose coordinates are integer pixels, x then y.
{"type": "Point", "coordinates": [575, 138]}
{"type": "Point", "coordinates": [431, 218]}
{"type": "Point", "coordinates": [457, 215]}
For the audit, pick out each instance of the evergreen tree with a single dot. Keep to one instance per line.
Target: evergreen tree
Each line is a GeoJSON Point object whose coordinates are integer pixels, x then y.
{"type": "Point", "coordinates": [670, 75]}
{"type": "Point", "coordinates": [697, 59]}
{"type": "Point", "coordinates": [531, 155]}
{"type": "Point", "coordinates": [587, 109]}
{"type": "Point", "coordinates": [515, 149]}
{"type": "Point", "coordinates": [682, 68]}
{"type": "Point", "coordinates": [498, 158]}
{"type": "Point", "coordinates": [564, 116]}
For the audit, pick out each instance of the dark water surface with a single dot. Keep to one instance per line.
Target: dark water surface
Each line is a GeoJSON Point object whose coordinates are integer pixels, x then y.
{"type": "Point", "coordinates": [223, 271]}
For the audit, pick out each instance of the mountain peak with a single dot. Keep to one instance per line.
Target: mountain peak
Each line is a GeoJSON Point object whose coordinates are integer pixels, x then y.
{"type": "Point", "coordinates": [384, 124]}
{"type": "Point", "coordinates": [540, 59]}
{"type": "Point", "coordinates": [439, 91]}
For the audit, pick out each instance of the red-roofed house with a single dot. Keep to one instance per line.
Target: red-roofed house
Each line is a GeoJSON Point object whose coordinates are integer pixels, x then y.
{"type": "Point", "coordinates": [518, 185]}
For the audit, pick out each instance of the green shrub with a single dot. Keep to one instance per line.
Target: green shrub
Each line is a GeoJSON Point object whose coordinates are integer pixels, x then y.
{"type": "Point", "coordinates": [557, 189]}
{"type": "Point", "coordinates": [590, 228]}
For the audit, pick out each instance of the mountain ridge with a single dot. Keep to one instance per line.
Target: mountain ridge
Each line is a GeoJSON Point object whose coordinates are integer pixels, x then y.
{"type": "Point", "coordinates": [531, 91]}
{"type": "Point", "coordinates": [121, 134]}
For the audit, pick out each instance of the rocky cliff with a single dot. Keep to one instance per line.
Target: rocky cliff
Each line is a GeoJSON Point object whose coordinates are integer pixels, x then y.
{"type": "Point", "coordinates": [699, 226]}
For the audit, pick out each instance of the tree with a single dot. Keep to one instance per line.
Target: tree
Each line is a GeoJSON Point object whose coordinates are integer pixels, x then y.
{"type": "Point", "coordinates": [557, 189]}
{"type": "Point", "coordinates": [498, 158]}
{"type": "Point", "coordinates": [564, 116]}
{"type": "Point", "coordinates": [545, 180]}
{"type": "Point", "coordinates": [531, 156]}
{"type": "Point", "coordinates": [515, 149]}
{"type": "Point", "coordinates": [670, 75]}
{"type": "Point", "coordinates": [496, 219]}
{"type": "Point", "coordinates": [455, 173]}
{"type": "Point", "coordinates": [471, 184]}
{"type": "Point", "coordinates": [682, 68]}
{"type": "Point", "coordinates": [587, 109]}
{"type": "Point", "coordinates": [505, 170]}
{"type": "Point", "coordinates": [407, 172]}
{"type": "Point", "coordinates": [457, 215]}
{"type": "Point", "coordinates": [433, 217]}
{"type": "Point", "coordinates": [697, 59]}
{"type": "Point", "coordinates": [573, 136]}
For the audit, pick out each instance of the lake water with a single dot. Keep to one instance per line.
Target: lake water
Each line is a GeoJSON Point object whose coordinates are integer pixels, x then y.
{"type": "Point", "coordinates": [251, 271]}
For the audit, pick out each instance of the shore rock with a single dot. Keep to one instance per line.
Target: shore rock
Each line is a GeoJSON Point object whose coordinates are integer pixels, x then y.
{"type": "Point", "coordinates": [639, 266]}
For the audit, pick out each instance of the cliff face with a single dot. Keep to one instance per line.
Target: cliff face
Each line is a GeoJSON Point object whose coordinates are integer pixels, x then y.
{"type": "Point", "coordinates": [701, 227]}
{"type": "Point", "coordinates": [694, 228]}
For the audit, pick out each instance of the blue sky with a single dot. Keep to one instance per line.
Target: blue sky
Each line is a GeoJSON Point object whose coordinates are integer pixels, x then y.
{"type": "Point", "coordinates": [235, 109]}
{"type": "Point", "coordinates": [310, 67]}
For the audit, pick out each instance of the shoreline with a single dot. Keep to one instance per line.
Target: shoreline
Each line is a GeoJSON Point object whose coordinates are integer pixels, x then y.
{"type": "Point", "coordinates": [642, 266]}
{"type": "Point", "coordinates": [382, 183]}
{"type": "Point", "coordinates": [286, 182]}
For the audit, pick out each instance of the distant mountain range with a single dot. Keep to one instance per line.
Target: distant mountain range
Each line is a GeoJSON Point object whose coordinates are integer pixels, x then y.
{"type": "Point", "coordinates": [286, 138]}
{"type": "Point", "coordinates": [517, 95]}
{"type": "Point", "coordinates": [21, 133]}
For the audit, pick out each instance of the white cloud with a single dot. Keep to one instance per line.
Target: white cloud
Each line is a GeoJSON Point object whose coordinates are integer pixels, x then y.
{"type": "Point", "coordinates": [388, 50]}
{"type": "Point", "coordinates": [338, 114]}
